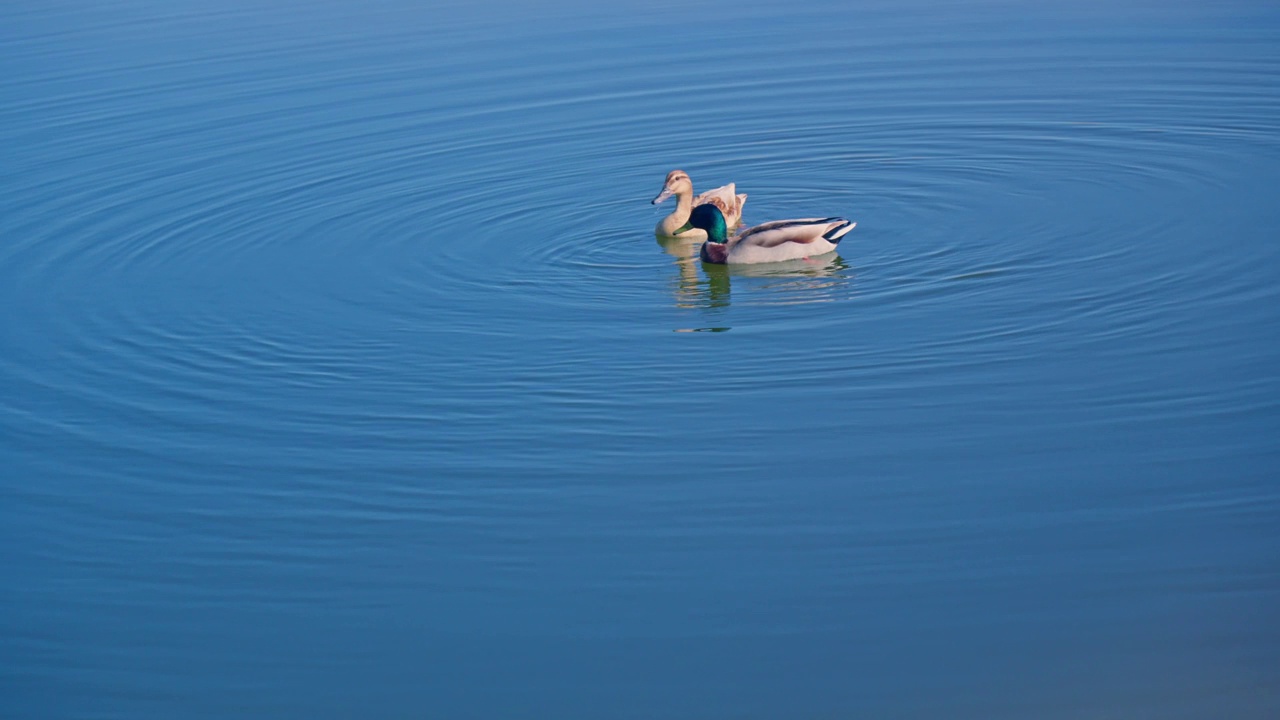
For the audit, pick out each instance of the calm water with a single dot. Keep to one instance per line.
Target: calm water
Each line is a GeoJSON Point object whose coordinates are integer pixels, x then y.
{"type": "Point", "coordinates": [342, 375]}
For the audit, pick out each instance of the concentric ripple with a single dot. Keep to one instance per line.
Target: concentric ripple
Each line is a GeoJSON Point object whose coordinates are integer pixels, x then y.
{"type": "Point", "coordinates": [337, 332]}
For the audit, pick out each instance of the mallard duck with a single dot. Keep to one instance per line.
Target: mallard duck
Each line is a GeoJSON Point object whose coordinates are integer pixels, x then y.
{"type": "Point", "coordinates": [678, 183]}
{"type": "Point", "coordinates": [771, 242]}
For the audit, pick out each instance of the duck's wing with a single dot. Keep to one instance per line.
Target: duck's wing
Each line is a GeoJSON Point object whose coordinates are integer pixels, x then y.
{"type": "Point", "coordinates": [724, 193]}
{"type": "Point", "coordinates": [804, 231]}
{"type": "Point", "coordinates": [724, 199]}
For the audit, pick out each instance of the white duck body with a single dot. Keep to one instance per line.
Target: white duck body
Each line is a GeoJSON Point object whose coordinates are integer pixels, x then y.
{"type": "Point", "coordinates": [778, 241]}
{"type": "Point", "coordinates": [725, 198]}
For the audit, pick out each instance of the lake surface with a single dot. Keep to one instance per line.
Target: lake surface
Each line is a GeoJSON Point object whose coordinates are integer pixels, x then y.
{"type": "Point", "coordinates": [343, 376]}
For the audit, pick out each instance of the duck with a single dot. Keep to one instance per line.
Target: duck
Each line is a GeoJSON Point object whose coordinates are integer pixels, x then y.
{"type": "Point", "coordinates": [775, 241]}
{"type": "Point", "coordinates": [725, 198]}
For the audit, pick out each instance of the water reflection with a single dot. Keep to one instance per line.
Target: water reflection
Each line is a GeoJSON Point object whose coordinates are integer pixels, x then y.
{"type": "Point", "coordinates": [823, 266]}
{"type": "Point", "coordinates": [690, 288]}
{"type": "Point", "coordinates": [703, 285]}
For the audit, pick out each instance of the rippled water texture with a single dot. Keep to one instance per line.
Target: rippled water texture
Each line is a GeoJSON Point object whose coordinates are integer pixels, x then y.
{"type": "Point", "coordinates": [343, 376]}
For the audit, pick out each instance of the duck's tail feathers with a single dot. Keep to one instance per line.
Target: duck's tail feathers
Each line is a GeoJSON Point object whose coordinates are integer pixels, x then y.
{"type": "Point", "coordinates": [838, 231]}
{"type": "Point", "coordinates": [742, 200]}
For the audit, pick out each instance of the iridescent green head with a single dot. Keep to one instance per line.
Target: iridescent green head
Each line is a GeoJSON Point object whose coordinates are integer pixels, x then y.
{"type": "Point", "coordinates": [709, 218]}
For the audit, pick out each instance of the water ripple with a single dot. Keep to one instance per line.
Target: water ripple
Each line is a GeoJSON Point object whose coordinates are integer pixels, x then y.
{"type": "Point", "coordinates": [289, 284]}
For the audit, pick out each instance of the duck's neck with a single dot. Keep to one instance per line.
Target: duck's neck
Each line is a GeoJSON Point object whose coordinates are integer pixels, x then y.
{"type": "Point", "coordinates": [679, 216]}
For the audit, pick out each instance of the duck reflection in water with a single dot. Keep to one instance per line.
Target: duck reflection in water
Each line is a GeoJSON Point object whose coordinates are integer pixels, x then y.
{"type": "Point", "coordinates": [691, 290]}
{"type": "Point", "coordinates": [710, 288]}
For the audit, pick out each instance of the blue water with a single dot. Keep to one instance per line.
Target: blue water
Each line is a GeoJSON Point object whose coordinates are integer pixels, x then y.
{"type": "Point", "coordinates": [341, 374]}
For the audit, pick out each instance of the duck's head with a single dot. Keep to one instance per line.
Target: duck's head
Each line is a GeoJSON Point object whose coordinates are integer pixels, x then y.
{"type": "Point", "coordinates": [709, 218]}
{"type": "Point", "coordinates": [677, 182]}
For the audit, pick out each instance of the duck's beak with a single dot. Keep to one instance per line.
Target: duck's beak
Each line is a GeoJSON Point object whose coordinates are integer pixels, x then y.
{"type": "Point", "coordinates": [666, 193]}
{"type": "Point", "coordinates": [682, 228]}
